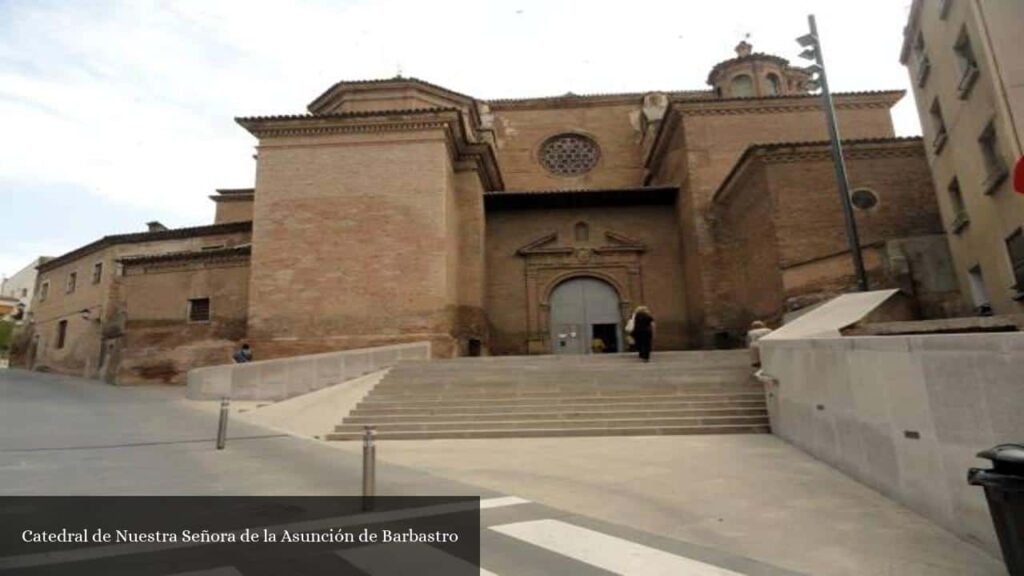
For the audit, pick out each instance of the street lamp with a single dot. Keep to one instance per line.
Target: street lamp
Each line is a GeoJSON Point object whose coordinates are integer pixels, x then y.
{"type": "Point", "coordinates": [812, 44]}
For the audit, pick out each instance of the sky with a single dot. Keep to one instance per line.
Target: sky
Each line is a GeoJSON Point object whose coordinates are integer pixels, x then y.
{"type": "Point", "coordinates": [113, 114]}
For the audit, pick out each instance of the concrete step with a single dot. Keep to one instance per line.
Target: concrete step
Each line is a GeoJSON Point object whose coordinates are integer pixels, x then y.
{"type": "Point", "coordinates": [559, 423]}
{"type": "Point", "coordinates": [505, 408]}
{"type": "Point", "coordinates": [374, 401]}
{"type": "Point", "coordinates": [557, 432]}
{"type": "Point", "coordinates": [400, 385]}
{"type": "Point", "coordinates": [600, 412]}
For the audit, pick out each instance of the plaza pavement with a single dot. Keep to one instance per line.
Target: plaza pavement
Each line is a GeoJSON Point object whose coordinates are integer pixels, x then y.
{"type": "Point", "coordinates": [713, 505]}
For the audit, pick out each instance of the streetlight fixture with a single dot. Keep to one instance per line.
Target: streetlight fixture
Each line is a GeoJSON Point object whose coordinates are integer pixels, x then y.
{"type": "Point", "coordinates": [812, 44]}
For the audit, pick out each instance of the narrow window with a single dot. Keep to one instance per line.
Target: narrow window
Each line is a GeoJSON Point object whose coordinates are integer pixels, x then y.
{"type": "Point", "coordinates": [742, 86]}
{"type": "Point", "coordinates": [995, 166]}
{"type": "Point", "coordinates": [44, 290]}
{"type": "Point", "coordinates": [582, 232]}
{"type": "Point", "coordinates": [62, 332]}
{"type": "Point", "coordinates": [199, 310]}
{"type": "Point", "coordinates": [979, 294]}
{"type": "Point", "coordinates": [966, 62]}
{"type": "Point", "coordinates": [97, 272]}
{"type": "Point", "coordinates": [774, 84]}
{"type": "Point", "coordinates": [956, 199]}
{"type": "Point", "coordinates": [72, 282]}
{"type": "Point", "coordinates": [938, 126]}
{"type": "Point", "coordinates": [924, 65]}
{"type": "Point", "coordinates": [24, 292]}
{"type": "Point", "coordinates": [1015, 249]}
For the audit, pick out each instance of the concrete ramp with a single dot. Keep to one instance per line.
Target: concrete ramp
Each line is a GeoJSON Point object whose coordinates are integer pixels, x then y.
{"type": "Point", "coordinates": [827, 320]}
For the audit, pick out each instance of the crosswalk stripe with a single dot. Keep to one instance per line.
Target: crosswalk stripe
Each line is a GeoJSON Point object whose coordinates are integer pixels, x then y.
{"type": "Point", "coordinates": [607, 552]}
{"type": "Point", "coordinates": [488, 503]}
{"type": "Point", "coordinates": [406, 559]}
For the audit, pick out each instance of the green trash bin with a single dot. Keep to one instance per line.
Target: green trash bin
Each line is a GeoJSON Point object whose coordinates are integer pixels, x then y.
{"type": "Point", "coordinates": [1004, 490]}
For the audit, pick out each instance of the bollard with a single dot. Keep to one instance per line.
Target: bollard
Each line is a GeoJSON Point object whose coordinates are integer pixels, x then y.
{"type": "Point", "coordinates": [222, 426]}
{"type": "Point", "coordinates": [369, 467]}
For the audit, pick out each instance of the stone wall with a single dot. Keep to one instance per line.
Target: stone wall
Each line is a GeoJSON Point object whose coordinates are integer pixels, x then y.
{"type": "Point", "coordinates": [158, 342]}
{"type": "Point", "coordinates": [904, 414]}
{"type": "Point", "coordinates": [522, 128]}
{"type": "Point", "coordinates": [353, 242]}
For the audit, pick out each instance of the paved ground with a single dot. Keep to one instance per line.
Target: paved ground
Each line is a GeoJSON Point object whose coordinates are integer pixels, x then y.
{"type": "Point", "coordinates": [722, 506]}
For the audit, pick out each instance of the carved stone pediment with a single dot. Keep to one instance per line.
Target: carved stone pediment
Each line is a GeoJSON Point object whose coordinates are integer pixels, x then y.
{"type": "Point", "coordinates": [548, 245]}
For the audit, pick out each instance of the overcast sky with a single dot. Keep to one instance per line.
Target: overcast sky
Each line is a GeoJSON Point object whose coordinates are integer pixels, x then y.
{"type": "Point", "coordinates": [117, 113]}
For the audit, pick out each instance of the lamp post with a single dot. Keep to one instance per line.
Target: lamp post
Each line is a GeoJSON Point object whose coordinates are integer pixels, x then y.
{"type": "Point", "coordinates": [812, 44]}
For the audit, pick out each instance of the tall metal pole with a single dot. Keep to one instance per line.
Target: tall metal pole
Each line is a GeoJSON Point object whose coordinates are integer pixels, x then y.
{"type": "Point", "coordinates": [840, 165]}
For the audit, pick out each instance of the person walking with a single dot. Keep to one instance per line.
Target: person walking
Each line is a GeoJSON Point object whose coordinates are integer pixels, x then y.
{"type": "Point", "coordinates": [641, 328]}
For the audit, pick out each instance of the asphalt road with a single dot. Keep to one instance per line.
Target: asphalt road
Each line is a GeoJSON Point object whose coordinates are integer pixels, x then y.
{"type": "Point", "coordinates": [62, 435]}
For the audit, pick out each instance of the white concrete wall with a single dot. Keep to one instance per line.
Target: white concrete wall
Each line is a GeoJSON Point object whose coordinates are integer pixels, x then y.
{"type": "Point", "coordinates": [286, 377]}
{"type": "Point", "coordinates": [857, 402]}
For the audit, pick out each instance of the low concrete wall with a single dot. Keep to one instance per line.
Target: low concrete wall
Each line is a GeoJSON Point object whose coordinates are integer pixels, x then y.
{"type": "Point", "coordinates": [286, 377]}
{"type": "Point", "coordinates": [904, 414]}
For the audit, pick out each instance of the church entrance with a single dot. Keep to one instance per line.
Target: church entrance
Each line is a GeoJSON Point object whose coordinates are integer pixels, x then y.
{"type": "Point", "coordinates": [585, 311]}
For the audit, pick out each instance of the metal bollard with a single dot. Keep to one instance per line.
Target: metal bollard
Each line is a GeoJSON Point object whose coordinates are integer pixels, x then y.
{"type": "Point", "coordinates": [369, 467]}
{"type": "Point", "coordinates": [222, 426]}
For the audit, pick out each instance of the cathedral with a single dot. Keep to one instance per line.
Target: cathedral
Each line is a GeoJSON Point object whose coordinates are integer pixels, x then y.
{"type": "Point", "coordinates": [398, 210]}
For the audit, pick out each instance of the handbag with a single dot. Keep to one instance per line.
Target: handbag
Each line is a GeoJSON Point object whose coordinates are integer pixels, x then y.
{"type": "Point", "coordinates": [631, 324]}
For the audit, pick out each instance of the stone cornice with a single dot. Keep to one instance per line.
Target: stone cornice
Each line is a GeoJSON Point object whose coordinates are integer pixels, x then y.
{"type": "Point", "coordinates": [789, 152]}
{"type": "Point", "coordinates": [450, 121]}
{"type": "Point", "coordinates": [781, 104]}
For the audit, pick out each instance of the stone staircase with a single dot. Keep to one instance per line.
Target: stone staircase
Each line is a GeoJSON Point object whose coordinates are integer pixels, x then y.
{"type": "Point", "coordinates": [699, 392]}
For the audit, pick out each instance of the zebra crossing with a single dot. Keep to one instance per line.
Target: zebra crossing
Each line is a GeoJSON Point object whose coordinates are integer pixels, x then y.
{"type": "Point", "coordinates": [517, 538]}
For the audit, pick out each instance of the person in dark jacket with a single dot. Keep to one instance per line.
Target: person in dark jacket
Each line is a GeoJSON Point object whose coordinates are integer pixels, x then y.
{"type": "Point", "coordinates": [643, 332]}
{"type": "Point", "coordinates": [243, 355]}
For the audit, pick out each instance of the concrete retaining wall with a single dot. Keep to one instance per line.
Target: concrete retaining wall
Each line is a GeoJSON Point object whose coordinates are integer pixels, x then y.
{"type": "Point", "coordinates": [904, 414]}
{"type": "Point", "coordinates": [286, 377]}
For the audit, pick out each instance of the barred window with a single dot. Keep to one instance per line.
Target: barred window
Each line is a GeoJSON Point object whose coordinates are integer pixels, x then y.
{"type": "Point", "coordinates": [569, 154]}
{"type": "Point", "coordinates": [199, 310]}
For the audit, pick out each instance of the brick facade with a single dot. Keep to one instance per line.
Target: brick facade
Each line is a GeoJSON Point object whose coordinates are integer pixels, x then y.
{"type": "Point", "coordinates": [398, 211]}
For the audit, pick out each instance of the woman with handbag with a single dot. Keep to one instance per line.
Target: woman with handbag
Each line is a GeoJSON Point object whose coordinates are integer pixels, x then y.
{"type": "Point", "coordinates": [641, 328]}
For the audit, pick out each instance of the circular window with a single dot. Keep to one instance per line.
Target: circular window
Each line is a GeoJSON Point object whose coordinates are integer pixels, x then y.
{"type": "Point", "coordinates": [569, 154]}
{"type": "Point", "coordinates": [864, 199]}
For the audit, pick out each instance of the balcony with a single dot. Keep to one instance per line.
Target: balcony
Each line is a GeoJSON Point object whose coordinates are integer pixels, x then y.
{"type": "Point", "coordinates": [996, 176]}
{"type": "Point", "coordinates": [940, 141]}
{"type": "Point", "coordinates": [967, 80]}
{"type": "Point", "coordinates": [960, 222]}
{"type": "Point", "coordinates": [924, 67]}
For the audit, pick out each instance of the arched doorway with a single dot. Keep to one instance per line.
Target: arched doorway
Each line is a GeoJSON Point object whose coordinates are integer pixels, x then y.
{"type": "Point", "coordinates": [583, 309]}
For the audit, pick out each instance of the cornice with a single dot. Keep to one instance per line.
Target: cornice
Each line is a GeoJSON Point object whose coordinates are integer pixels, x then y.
{"type": "Point", "coordinates": [784, 104]}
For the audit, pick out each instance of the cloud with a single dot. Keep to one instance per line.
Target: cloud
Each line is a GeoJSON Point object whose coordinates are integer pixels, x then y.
{"type": "Point", "coordinates": [133, 101]}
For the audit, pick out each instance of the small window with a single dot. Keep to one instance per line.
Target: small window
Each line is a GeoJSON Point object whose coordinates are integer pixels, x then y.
{"type": "Point", "coordinates": [774, 84]}
{"type": "Point", "coordinates": [97, 272]}
{"type": "Point", "coordinates": [199, 310]}
{"type": "Point", "coordinates": [938, 126]}
{"type": "Point", "coordinates": [72, 282]}
{"type": "Point", "coordinates": [24, 292]}
{"type": "Point", "coordinates": [742, 86]}
{"type": "Point", "coordinates": [956, 200]}
{"type": "Point", "coordinates": [967, 63]}
{"type": "Point", "coordinates": [62, 332]}
{"type": "Point", "coordinates": [995, 166]}
{"type": "Point", "coordinates": [44, 290]}
{"type": "Point", "coordinates": [582, 232]}
{"type": "Point", "coordinates": [864, 199]}
{"type": "Point", "coordinates": [1015, 249]}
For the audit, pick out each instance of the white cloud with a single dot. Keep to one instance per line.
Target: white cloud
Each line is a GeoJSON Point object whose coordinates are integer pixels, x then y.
{"type": "Point", "coordinates": [135, 100]}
